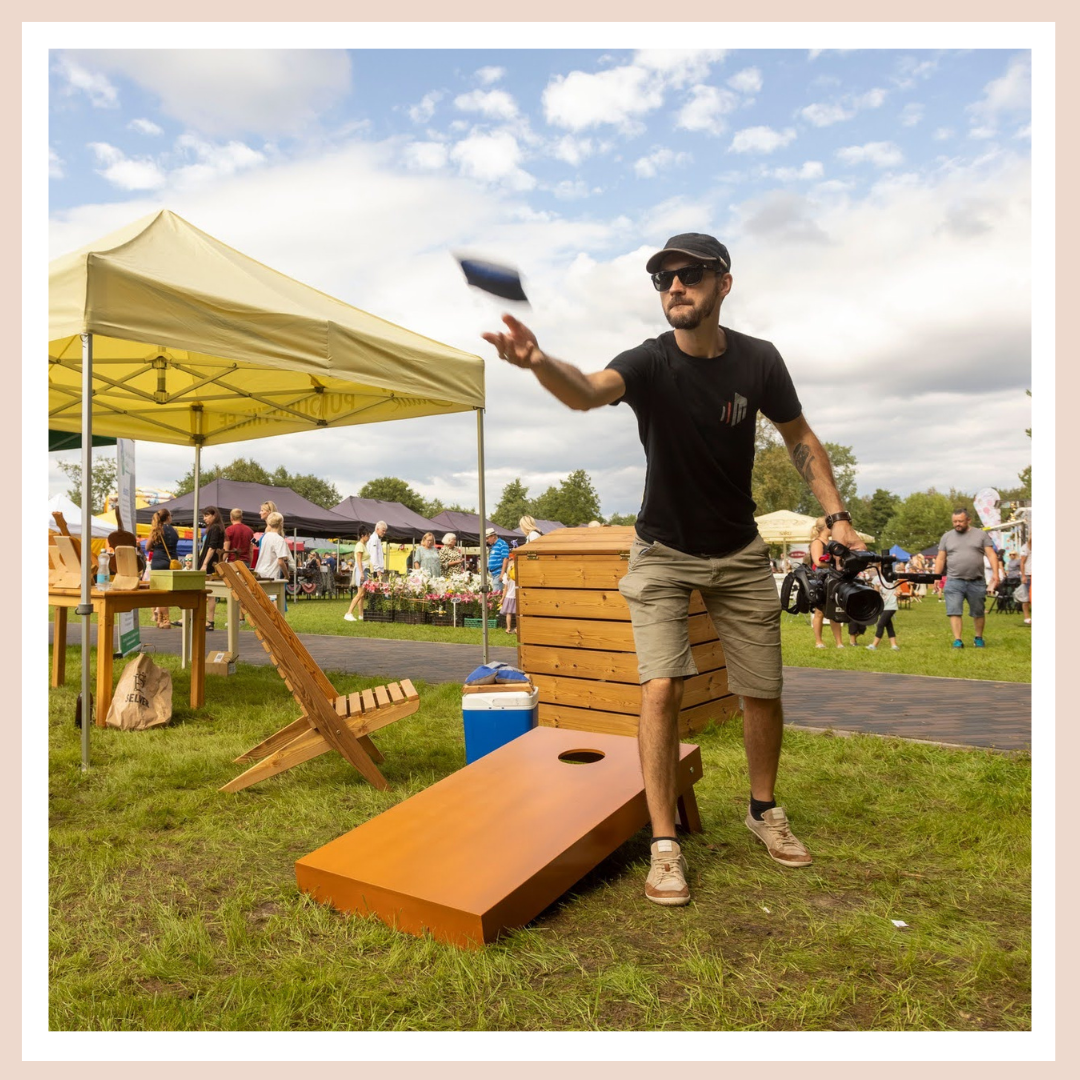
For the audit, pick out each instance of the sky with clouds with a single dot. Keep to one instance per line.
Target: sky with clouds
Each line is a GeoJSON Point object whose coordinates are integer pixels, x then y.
{"type": "Point", "coordinates": [876, 203]}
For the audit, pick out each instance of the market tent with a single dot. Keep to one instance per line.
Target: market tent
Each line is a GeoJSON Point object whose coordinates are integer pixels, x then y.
{"type": "Point", "coordinates": [897, 551]}
{"type": "Point", "coordinates": [197, 344]}
{"type": "Point", "coordinates": [544, 527]}
{"type": "Point", "coordinates": [160, 332]}
{"type": "Point", "coordinates": [786, 527]}
{"type": "Point", "coordinates": [467, 530]}
{"type": "Point", "coordinates": [73, 518]}
{"type": "Point", "coordinates": [301, 515]}
{"type": "Point", "coordinates": [402, 524]}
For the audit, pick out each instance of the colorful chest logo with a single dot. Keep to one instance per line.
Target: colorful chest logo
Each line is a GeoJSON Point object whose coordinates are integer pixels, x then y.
{"type": "Point", "coordinates": [734, 412]}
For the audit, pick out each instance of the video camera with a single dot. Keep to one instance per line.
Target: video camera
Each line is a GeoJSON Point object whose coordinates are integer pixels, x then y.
{"type": "Point", "coordinates": [837, 592]}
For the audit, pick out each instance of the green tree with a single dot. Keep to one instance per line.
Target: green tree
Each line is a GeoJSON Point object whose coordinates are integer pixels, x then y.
{"type": "Point", "coordinates": [622, 519]}
{"type": "Point", "coordinates": [102, 480]}
{"type": "Point", "coordinates": [878, 510]}
{"type": "Point", "coordinates": [391, 489]}
{"type": "Point", "coordinates": [573, 502]}
{"type": "Point", "coordinates": [311, 487]}
{"type": "Point", "coordinates": [921, 520]}
{"type": "Point", "coordinates": [775, 484]}
{"type": "Point", "coordinates": [243, 469]}
{"type": "Point", "coordinates": [513, 505]}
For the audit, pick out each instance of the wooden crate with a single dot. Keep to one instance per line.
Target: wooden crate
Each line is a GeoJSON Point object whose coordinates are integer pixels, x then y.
{"type": "Point", "coordinates": [576, 643]}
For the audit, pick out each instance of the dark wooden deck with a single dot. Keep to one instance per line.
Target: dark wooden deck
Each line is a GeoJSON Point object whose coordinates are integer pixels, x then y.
{"type": "Point", "coordinates": [966, 712]}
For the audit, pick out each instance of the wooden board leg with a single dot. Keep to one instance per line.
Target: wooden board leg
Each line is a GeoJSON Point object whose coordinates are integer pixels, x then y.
{"type": "Point", "coordinates": [104, 665]}
{"type": "Point", "coordinates": [59, 658]}
{"type": "Point", "coordinates": [198, 654]}
{"type": "Point", "coordinates": [689, 818]}
{"type": "Point", "coordinates": [232, 622]}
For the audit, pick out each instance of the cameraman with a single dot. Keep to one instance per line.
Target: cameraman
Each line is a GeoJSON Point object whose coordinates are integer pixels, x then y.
{"type": "Point", "coordinates": [696, 392]}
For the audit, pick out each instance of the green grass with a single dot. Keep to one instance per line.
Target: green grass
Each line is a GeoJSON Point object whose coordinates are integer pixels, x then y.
{"type": "Point", "coordinates": [174, 907]}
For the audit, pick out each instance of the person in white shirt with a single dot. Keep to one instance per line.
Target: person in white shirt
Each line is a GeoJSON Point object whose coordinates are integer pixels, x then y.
{"type": "Point", "coordinates": [375, 551]}
{"type": "Point", "coordinates": [273, 559]}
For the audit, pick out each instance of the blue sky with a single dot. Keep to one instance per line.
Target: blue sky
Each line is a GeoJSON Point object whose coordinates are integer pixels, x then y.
{"type": "Point", "coordinates": [876, 204]}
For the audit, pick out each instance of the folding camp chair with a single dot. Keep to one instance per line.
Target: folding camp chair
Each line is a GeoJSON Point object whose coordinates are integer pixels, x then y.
{"type": "Point", "coordinates": [331, 720]}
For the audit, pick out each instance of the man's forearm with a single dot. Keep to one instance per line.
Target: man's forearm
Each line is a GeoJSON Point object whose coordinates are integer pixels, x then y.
{"type": "Point", "coordinates": [565, 381]}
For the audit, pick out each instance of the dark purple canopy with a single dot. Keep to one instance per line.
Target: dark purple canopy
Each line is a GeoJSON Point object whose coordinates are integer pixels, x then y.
{"type": "Point", "coordinates": [402, 524]}
{"type": "Point", "coordinates": [466, 526]}
{"type": "Point", "coordinates": [306, 518]}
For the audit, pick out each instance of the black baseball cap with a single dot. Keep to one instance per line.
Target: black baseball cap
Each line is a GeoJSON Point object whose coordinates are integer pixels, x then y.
{"type": "Point", "coordinates": [696, 245]}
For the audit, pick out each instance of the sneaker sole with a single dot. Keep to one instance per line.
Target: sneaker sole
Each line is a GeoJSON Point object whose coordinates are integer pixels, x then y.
{"type": "Point", "coordinates": [782, 862]}
{"type": "Point", "coordinates": [668, 901]}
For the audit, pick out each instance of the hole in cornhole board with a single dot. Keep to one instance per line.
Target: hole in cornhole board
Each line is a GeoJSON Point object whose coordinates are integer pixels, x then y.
{"type": "Point", "coordinates": [581, 757]}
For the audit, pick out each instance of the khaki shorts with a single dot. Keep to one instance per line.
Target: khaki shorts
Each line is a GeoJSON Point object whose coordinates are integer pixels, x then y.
{"type": "Point", "coordinates": [740, 594]}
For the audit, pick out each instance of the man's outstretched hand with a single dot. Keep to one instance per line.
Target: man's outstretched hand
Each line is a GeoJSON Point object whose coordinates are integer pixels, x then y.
{"type": "Point", "coordinates": [517, 345]}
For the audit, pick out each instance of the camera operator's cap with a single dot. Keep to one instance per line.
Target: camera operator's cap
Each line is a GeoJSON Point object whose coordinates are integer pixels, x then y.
{"type": "Point", "coordinates": [696, 245]}
{"type": "Point", "coordinates": [489, 532]}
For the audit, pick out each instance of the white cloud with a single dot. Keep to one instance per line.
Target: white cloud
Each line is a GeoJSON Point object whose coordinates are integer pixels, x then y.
{"type": "Point", "coordinates": [223, 92]}
{"type": "Point", "coordinates": [706, 109]}
{"type": "Point", "coordinates": [942, 134]}
{"type": "Point", "coordinates": [572, 150]}
{"type": "Point", "coordinates": [760, 140]}
{"type": "Point", "coordinates": [619, 96]}
{"type": "Point", "coordinates": [679, 67]}
{"type": "Point", "coordinates": [571, 189]}
{"type": "Point", "coordinates": [1009, 94]}
{"type": "Point", "coordinates": [747, 81]}
{"type": "Point", "coordinates": [982, 132]}
{"type": "Point", "coordinates": [911, 114]}
{"type": "Point", "coordinates": [79, 79]}
{"type": "Point", "coordinates": [425, 155]}
{"type": "Point", "coordinates": [212, 161]}
{"type": "Point", "coordinates": [872, 99]}
{"type": "Point", "coordinates": [106, 153]}
{"type": "Point", "coordinates": [489, 75]}
{"type": "Point", "coordinates": [881, 154]}
{"type": "Point", "coordinates": [493, 159]}
{"type": "Point", "coordinates": [822, 115]}
{"type": "Point", "coordinates": [910, 69]}
{"type": "Point", "coordinates": [495, 104]}
{"type": "Point", "coordinates": [660, 159]}
{"type": "Point", "coordinates": [424, 109]}
{"type": "Point", "coordinates": [809, 170]}
{"type": "Point", "coordinates": [145, 127]}
{"type": "Point", "coordinates": [56, 165]}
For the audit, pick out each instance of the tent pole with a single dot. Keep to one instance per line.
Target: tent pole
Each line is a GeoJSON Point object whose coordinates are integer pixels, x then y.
{"type": "Point", "coordinates": [85, 606]}
{"type": "Point", "coordinates": [485, 587]}
{"type": "Point", "coordinates": [195, 510]}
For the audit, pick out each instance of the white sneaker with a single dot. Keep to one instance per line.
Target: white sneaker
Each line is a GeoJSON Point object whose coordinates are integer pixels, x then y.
{"type": "Point", "coordinates": [350, 617]}
{"type": "Point", "coordinates": [896, 648]}
{"type": "Point", "coordinates": [873, 647]}
{"type": "Point", "coordinates": [821, 646]}
{"type": "Point", "coordinates": [666, 883]}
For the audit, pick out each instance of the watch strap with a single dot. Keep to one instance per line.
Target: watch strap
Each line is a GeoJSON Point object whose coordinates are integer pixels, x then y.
{"type": "Point", "coordinates": [840, 515]}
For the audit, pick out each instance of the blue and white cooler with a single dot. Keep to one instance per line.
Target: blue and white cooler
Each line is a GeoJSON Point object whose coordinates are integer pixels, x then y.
{"type": "Point", "coordinates": [495, 714]}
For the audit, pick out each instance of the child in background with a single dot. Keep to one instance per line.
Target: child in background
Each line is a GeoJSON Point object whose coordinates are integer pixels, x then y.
{"type": "Point", "coordinates": [508, 607]}
{"type": "Point", "coordinates": [885, 619]}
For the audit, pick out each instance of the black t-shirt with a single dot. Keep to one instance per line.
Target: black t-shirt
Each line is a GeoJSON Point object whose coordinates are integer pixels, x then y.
{"type": "Point", "coordinates": [696, 418]}
{"type": "Point", "coordinates": [215, 538]}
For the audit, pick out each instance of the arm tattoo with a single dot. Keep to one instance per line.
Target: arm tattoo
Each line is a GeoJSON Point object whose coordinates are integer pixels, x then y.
{"type": "Point", "coordinates": [803, 461]}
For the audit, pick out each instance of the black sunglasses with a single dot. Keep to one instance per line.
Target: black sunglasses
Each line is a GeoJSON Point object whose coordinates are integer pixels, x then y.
{"type": "Point", "coordinates": [688, 275]}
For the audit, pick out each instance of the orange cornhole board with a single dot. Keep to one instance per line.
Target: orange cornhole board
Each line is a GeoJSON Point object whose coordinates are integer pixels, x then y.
{"type": "Point", "coordinates": [492, 845]}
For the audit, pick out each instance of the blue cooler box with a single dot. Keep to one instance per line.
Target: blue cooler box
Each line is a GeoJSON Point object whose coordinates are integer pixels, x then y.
{"type": "Point", "coordinates": [492, 719]}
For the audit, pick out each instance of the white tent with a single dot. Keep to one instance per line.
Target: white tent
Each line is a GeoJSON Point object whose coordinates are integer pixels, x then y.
{"type": "Point", "coordinates": [73, 518]}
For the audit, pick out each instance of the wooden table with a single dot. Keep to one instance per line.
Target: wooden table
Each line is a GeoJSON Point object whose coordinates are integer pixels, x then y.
{"type": "Point", "coordinates": [217, 588]}
{"type": "Point", "coordinates": [109, 604]}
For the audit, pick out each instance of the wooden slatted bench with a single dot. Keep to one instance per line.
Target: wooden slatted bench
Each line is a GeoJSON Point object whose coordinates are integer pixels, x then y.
{"type": "Point", "coordinates": [342, 722]}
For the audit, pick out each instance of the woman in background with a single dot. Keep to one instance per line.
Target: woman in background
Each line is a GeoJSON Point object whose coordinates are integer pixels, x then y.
{"type": "Point", "coordinates": [212, 549]}
{"type": "Point", "coordinates": [162, 549]}
{"type": "Point", "coordinates": [451, 558]}
{"type": "Point", "coordinates": [817, 550]}
{"type": "Point", "coordinates": [360, 553]}
{"type": "Point", "coordinates": [427, 558]}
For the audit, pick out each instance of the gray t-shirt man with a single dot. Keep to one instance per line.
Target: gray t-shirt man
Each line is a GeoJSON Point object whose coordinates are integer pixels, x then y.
{"type": "Point", "coordinates": [964, 553]}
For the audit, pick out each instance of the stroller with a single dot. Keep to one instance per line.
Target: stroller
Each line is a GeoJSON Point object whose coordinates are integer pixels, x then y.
{"type": "Point", "coordinates": [1005, 602]}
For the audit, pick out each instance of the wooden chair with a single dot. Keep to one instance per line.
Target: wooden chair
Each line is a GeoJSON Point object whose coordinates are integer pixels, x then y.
{"type": "Point", "coordinates": [330, 720]}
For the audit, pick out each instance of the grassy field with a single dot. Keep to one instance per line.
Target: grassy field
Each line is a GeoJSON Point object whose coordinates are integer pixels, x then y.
{"type": "Point", "coordinates": [923, 633]}
{"type": "Point", "coordinates": [174, 907]}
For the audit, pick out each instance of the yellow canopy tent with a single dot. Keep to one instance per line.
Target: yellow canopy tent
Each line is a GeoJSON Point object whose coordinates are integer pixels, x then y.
{"type": "Point", "coordinates": [161, 332]}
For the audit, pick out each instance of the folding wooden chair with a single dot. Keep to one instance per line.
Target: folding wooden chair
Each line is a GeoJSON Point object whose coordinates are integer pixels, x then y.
{"type": "Point", "coordinates": [331, 720]}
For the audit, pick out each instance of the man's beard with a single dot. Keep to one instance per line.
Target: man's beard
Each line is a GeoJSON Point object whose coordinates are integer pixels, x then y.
{"type": "Point", "coordinates": [690, 316]}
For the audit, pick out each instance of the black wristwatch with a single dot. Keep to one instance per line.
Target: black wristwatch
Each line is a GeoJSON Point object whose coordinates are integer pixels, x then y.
{"type": "Point", "coordinates": [840, 515]}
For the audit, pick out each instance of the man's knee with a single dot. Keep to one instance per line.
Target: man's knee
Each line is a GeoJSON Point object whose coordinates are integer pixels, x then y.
{"type": "Point", "coordinates": [661, 694]}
